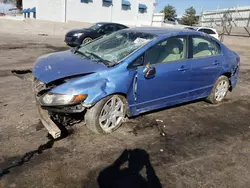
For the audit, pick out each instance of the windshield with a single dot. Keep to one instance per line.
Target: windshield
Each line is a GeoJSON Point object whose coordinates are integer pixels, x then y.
{"type": "Point", "coordinates": [114, 47]}
{"type": "Point", "coordinates": [95, 26]}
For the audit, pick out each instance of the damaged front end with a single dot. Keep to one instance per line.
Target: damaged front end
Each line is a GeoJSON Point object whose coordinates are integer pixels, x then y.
{"type": "Point", "coordinates": [56, 115]}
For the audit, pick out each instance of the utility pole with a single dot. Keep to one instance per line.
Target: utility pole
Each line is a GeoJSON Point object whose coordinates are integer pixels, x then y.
{"type": "Point", "coordinates": [65, 11]}
{"type": "Point", "coordinates": [111, 16]}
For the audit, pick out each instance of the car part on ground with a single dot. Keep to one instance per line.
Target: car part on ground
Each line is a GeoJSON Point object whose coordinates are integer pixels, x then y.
{"type": "Point", "coordinates": [130, 72]}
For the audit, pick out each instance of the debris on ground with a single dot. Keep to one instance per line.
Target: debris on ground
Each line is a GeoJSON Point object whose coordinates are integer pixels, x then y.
{"type": "Point", "coordinates": [42, 34]}
{"type": "Point", "coordinates": [23, 74]}
{"type": "Point", "coordinates": [159, 120]}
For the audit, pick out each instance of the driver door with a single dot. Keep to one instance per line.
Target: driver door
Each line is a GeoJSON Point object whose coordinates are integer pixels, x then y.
{"type": "Point", "coordinates": [164, 77]}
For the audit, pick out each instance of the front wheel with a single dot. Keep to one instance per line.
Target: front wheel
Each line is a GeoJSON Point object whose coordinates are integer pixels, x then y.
{"type": "Point", "coordinates": [86, 40]}
{"type": "Point", "coordinates": [219, 91]}
{"type": "Point", "coordinates": [107, 115]}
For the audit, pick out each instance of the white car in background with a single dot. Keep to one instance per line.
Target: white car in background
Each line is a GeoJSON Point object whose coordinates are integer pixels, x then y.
{"type": "Point", "coordinates": [210, 31]}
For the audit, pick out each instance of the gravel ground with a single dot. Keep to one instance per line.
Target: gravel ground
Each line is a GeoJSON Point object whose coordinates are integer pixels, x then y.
{"type": "Point", "coordinates": [193, 145]}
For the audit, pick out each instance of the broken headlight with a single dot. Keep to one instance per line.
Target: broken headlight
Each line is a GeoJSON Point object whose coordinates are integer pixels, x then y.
{"type": "Point", "coordinates": [60, 99]}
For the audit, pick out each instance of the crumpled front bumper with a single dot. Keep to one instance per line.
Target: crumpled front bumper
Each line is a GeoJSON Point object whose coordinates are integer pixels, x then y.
{"type": "Point", "coordinates": [46, 111]}
{"type": "Point", "coordinates": [52, 128]}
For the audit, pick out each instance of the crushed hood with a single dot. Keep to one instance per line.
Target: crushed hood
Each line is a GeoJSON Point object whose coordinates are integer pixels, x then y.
{"type": "Point", "coordinates": [59, 65]}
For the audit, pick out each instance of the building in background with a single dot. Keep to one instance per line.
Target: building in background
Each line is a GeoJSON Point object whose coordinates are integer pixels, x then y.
{"type": "Point", "coordinates": [129, 12]}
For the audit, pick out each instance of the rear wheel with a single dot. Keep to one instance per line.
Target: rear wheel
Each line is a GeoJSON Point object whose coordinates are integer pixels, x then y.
{"type": "Point", "coordinates": [219, 91]}
{"type": "Point", "coordinates": [107, 115]}
{"type": "Point", "coordinates": [86, 40]}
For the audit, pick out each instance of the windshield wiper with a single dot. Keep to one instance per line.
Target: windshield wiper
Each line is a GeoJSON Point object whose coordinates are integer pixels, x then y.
{"type": "Point", "coordinates": [79, 52]}
{"type": "Point", "coordinates": [106, 62]}
{"type": "Point", "coordinates": [76, 49]}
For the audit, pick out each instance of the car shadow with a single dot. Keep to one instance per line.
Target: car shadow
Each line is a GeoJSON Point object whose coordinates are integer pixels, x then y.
{"type": "Point", "coordinates": [114, 176]}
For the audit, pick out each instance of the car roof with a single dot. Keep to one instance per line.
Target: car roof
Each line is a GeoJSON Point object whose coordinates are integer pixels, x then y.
{"type": "Point", "coordinates": [105, 23]}
{"type": "Point", "coordinates": [160, 30]}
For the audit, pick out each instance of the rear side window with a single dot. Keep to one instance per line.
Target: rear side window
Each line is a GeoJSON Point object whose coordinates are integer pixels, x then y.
{"type": "Point", "coordinates": [207, 31]}
{"type": "Point", "coordinates": [203, 47]}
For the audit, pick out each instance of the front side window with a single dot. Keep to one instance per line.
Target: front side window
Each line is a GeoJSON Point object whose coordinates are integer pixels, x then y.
{"type": "Point", "coordinates": [172, 49]}
{"type": "Point", "coordinates": [116, 46]}
{"type": "Point", "coordinates": [203, 47]}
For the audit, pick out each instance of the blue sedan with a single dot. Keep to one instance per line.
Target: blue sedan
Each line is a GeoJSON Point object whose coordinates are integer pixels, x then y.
{"type": "Point", "coordinates": [130, 72]}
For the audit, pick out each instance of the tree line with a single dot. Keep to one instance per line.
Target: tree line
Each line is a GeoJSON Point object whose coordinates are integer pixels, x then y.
{"type": "Point", "coordinates": [189, 18]}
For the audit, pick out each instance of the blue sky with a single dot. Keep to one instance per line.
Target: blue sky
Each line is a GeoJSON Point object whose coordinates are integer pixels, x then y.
{"type": "Point", "coordinates": [181, 5]}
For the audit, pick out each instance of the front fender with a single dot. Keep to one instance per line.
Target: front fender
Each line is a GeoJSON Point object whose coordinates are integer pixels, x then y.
{"type": "Point", "coordinates": [98, 85]}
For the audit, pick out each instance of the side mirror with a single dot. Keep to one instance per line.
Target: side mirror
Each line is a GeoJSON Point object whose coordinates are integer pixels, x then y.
{"type": "Point", "coordinates": [149, 71]}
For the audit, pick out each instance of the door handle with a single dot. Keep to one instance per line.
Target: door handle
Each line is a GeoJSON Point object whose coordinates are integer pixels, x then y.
{"type": "Point", "coordinates": [182, 68]}
{"type": "Point", "coordinates": [216, 62]}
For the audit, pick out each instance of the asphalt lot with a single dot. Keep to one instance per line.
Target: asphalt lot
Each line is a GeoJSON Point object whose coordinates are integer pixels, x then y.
{"type": "Point", "coordinates": [193, 145]}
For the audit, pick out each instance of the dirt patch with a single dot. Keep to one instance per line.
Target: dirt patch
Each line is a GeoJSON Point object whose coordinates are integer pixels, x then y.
{"type": "Point", "coordinates": [4, 73]}
{"type": "Point", "coordinates": [31, 46]}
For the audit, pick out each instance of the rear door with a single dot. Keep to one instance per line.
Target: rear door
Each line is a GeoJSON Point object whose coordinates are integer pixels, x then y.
{"type": "Point", "coordinates": [206, 65]}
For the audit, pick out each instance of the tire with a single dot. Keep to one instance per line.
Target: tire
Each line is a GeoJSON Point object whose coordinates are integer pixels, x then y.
{"type": "Point", "coordinates": [93, 115]}
{"type": "Point", "coordinates": [86, 40]}
{"type": "Point", "coordinates": [215, 98]}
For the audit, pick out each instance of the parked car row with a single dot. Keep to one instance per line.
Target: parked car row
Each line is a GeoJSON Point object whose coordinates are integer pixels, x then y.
{"type": "Point", "coordinates": [129, 72]}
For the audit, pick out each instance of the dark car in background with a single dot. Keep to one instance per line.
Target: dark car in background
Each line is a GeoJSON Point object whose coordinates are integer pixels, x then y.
{"type": "Point", "coordinates": [81, 36]}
